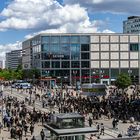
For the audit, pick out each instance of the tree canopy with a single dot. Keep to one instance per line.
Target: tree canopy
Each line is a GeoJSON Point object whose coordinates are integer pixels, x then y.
{"type": "Point", "coordinates": [123, 81]}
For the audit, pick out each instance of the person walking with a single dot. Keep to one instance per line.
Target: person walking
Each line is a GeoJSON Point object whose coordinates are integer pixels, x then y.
{"type": "Point", "coordinates": [102, 129]}
{"type": "Point", "coordinates": [42, 134]}
{"type": "Point", "coordinates": [0, 127]}
{"type": "Point", "coordinates": [33, 138]}
{"type": "Point", "coordinates": [32, 129]}
{"type": "Point", "coordinates": [90, 121]}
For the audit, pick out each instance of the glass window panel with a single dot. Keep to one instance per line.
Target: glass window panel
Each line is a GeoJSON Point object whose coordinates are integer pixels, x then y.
{"type": "Point", "coordinates": [55, 49]}
{"type": "Point", "coordinates": [46, 56]}
{"type": "Point", "coordinates": [75, 64]}
{"type": "Point", "coordinates": [84, 47]}
{"type": "Point", "coordinates": [134, 47]}
{"type": "Point", "coordinates": [65, 39]}
{"type": "Point", "coordinates": [85, 64]}
{"type": "Point", "coordinates": [46, 64]}
{"type": "Point", "coordinates": [45, 39]}
{"type": "Point", "coordinates": [114, 73]}
{"type": "Point", "coordinates": [84, 39]}
{"type": "Point", "coordinates": [55, 64]}
{"type": "Point", "coordinates": [45, 47]}
{"type": "Point", "coordinates": [85, 56]}
{"type": "Point", "coordinates": [55, 39]}
{"type": "Point", "coordinates": [65, 64]}
{"type": "Point", "coordinates": [75, 51]}
{"type": "Point", "coordinates": [75, 39]}
{"type": "Point", "coordinates": [65, 50]}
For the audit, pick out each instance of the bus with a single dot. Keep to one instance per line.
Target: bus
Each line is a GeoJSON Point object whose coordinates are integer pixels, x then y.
{"type": "Point", "coordinates": [20, 84]}
{"type": "Point", "coordinates": [94, 89]}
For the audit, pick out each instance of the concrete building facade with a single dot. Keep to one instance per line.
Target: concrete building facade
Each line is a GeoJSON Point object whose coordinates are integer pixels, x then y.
{"type": "Point", "coordinates": [132, 25]}
{"type": "Point", "coordinates": [84, 58]}
{"type": "Point", "coordinates": [13, 59]}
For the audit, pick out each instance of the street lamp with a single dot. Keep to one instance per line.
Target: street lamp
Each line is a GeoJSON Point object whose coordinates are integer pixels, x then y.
{"type": "Point", "coordinates": [93, 73]}
{"type": "Point", "coordinates": [129, 72]}
{"type": "Point", "coordinates": [101, 72]}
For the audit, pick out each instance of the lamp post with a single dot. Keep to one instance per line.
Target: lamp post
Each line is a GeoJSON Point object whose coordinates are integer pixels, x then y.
{"type": "Point", "coordinates": [101, 74]}
{"type": "Point", "coordinates": [94, 73]}
{"type": "Point", "coordinates": [129, 72]}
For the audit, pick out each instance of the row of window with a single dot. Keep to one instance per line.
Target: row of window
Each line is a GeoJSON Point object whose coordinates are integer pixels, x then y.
{"type": "Point", "coordinates": [91, 73]}
{"type": "Point", "coordinates": [74, 56]}
{"type": "Point", "coordinates": [65, 39]}
{"type": "Point", "coordinates": [65, 64]}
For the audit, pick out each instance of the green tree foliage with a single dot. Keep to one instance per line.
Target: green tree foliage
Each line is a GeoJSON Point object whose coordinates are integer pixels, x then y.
{"type": "Point", "coordinates": [123, 81]}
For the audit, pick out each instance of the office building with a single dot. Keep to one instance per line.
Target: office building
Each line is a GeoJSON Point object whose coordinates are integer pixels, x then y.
{"type": "Point", "coordinates": [1, 64]}
{"type": "Point", "coordinates": [132, 25]}
{"type": "Point", "coordinates": [13, 59]}
{"type": "Point", "coordinates": [83, 58]}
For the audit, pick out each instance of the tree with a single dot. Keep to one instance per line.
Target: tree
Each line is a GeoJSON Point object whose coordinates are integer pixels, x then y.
{"type": "Point", "coordinates": [123, 81]}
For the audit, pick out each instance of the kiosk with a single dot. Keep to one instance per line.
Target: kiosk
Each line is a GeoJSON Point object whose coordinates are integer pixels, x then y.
{"type": "Point", "coordinates": [68, 126]}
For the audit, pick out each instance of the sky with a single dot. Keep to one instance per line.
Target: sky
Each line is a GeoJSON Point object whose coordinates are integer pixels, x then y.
{"type": "Point", "coordinates": [22, 19]}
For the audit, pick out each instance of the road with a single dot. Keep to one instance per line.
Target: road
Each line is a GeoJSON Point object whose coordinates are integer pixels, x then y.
{"type": "Point", "coordinates": [109, 132]}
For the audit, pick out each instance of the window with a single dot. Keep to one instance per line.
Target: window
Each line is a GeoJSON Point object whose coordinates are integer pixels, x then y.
{"type": "Point", "coordinates": [65, 39]}
{"type": "Point", "coordinates": [85, 64]}
{"type": "Point", "coordinates": [55, 48]}
{"type": "Point", "coordinates": [134, 47]}
{"type": "Point", "coordinates": [46, 64]}
{"type": "Point", "coordinates": [55, 64]}
{"type": "Point", "coordinates": [75, 39]}
{"type": "Point", "coordinates": [65, 64]}
{"type": "Point", "coordinates": [65, 50]}
{"type": "Point", "coordinates": [45, 39]}
{"type": "Point", "coordinates": [55, 39]}
{"type": "Point", "coordinates": [84, 47]}
{"type": "Point", "coordinates": [45, 47]}
{"type": "Point", "coordinates": [84, 39]}
{"type": "Point", "coordinates": [85, 56]}
{"type": "Point", "coordinates": [75, 51]}
{"type": "Point", "coordinates": [75, 64]}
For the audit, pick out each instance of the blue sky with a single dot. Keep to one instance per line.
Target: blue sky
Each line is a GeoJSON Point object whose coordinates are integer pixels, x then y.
{"type": "Point", "coordinates": [21, 19]}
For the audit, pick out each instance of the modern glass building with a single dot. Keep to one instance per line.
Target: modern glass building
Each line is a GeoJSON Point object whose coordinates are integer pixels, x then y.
{"type": "Point", "coordinates": [83, 58]}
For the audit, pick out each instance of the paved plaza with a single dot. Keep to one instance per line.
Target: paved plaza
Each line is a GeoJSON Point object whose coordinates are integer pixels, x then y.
{"type": "Point", "coordinates": [21, 95]}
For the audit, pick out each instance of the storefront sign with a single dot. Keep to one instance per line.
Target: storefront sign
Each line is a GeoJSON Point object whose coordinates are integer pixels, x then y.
{"type": "Point", "coordinates": [57, 55]}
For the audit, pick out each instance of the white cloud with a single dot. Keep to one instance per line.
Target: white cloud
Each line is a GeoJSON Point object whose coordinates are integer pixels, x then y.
{"type": "Point", "coordinates": [7, 48]}
{"type": "Point", "coordinates": [48, 15]}
{"type": "Point", "coordinates": [113, 6]}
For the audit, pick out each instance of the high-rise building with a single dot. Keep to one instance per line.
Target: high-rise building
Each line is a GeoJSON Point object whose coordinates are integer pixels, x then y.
{"type": "Point", "coordinates": [13, 59]}
{"type": "Point", "coordinates": [1, 64]}
{"type": "Point", "coordinates": [84, 58]}
{"type": "Point", "coordinates": [132, 25]}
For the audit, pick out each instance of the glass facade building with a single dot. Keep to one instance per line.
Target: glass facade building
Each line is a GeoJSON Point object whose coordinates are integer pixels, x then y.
{"type": "Point", "coordinates": [84, 58]}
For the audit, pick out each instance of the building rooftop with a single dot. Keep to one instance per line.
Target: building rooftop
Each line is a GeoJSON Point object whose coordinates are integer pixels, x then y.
{"type": "Point", "coordinates": [68, 115]}
{"type": "Point", "coordinates": [133, 17]}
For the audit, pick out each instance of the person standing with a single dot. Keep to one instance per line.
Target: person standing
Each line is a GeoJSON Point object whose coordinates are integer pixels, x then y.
{"type": "Point", "coordinates": [42, 134]}
{"type": "Point", "coordinates": [90, 121]}
{"type": "Point", "coordinates": [32, 129]}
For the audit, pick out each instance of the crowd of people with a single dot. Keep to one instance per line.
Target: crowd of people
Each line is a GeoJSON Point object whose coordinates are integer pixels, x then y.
{"type": "Point", "coordinates": [21, 121]}
{"type": "Point", "coordinates": [116, 105]}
